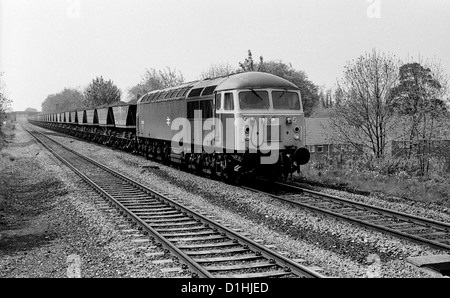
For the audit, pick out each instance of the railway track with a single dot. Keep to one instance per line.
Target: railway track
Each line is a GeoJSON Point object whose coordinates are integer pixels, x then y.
{"type": "Point", "coordinates": [204, 247]}
{"type": "Point", "coordinates": [418, 229]}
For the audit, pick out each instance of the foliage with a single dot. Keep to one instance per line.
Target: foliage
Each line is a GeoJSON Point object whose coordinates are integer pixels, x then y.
{"type": "Point", "coordinates": [250, 65]}
{"type": "Point", "coordinates": [418, 92]}
{"type": "Point", "coordinates": [155, 80]}
{"type": "Point", "coordinates": [31, 110]}
{"type": "Point", "coordinates": [363, 112]}
{"type": "Point", "coordinates": [66, 100]}
{"type": "Point", "coordinates": [218, 70]}
{"type": "Point", "coordinates": [309, 91]}
{"type": "Point", "coordinates": [4, 100]}
{"type": "Point", "coordinates": [101, 92]}
{"type": "Point", "coordinates": [420, 98]}
{"type": "Point", "coordinates": [397, 177]}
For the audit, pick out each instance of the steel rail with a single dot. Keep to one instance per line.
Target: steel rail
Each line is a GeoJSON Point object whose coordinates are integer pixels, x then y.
{"type": "Point", "coordinates": [426, 223]}
{"type": "Point", "coordinates": [280, 260]}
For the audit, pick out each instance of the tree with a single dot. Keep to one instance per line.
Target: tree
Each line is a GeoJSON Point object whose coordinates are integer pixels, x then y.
{"type": "Point", "coordinates": [323, 108]}
{"type": "Point", "coordinates": [420, 98]}
{"type": "Point", "coordinates": [364, 113]}
{"type": "Point", "coordinates": [249, 65]}
{"type": "Point", "coordinates": [101, 92]}
{"type": "Point", "coordinates": [218, 70]}
{"type": "Point", "coordinates": [31, 110]}
{"type": "Point", "coordinates": [66, 100]}
{"type": "Point", "coordinates": [308, 90]}
{"type": "Point", "coordinates": [155, 80]}
{"type": "Point", "coordinates": [4, 100]}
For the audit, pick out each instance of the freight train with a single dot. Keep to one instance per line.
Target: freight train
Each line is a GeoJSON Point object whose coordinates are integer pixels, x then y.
{"type": "Point", "coordinates": [232, 126]}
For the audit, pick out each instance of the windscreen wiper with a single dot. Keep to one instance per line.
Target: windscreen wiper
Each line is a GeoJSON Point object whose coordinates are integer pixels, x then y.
{"type": "Point", "coordinates": [254, 92]}
{"type": "Point", "coordinates": [282, 94]}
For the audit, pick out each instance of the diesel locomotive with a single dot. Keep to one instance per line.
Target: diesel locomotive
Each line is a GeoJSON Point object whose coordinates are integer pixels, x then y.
{"type": "Point", "coordinates": [233, 126]}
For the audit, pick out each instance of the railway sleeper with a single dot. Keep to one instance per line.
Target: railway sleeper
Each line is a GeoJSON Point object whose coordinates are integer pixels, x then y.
{"type": "Point", "coordinates": [240, 266]}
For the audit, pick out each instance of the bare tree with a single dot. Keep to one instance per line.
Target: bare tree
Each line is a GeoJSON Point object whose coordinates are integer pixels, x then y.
{"type": "Point", "coordinates": [363, 114]}
{"type": "Point", "coordinates": [250, 65]}
{"type": "Point", "coordinates": [218, 70]}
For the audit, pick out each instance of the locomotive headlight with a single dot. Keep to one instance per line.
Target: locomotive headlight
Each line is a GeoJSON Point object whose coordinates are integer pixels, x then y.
{"type": "Point", "coordinates": [288, 121]}
{"type": "Point", "coordinates": [252, 119]}
{"type": "Point", "coordinates": [297, 137]}
{"type": "Point", "coordinates": [247, 132]}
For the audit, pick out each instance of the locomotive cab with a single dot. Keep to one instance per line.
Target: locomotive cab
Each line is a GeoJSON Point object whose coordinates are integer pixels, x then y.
{"type": "Point", "coordinates": [266, 125]}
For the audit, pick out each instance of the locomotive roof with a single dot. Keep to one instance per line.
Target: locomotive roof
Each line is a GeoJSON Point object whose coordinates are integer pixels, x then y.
{"type": "Point", "coordinates": [254, 80]}
{"type": "Point", "coordinates": [244, 80]}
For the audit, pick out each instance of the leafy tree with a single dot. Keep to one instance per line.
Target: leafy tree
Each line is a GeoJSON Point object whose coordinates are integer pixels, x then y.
{"type": "Point", "coordinates": [31, 110]}
{"type": "Point", "coordinates": [154, 80]}
{"type": "Point", "coordinates": [101, 92]}
{"type": "Point", "coordinates": [420, 98]}
{"type": "Point", "coordinates": [363, 114]}
{"type": "Point", "coordinates": [66, 100]}
{"type": "Point", "coordinates": [308, 90]}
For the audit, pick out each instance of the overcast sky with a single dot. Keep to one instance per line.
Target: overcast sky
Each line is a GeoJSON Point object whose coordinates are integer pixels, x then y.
{"type": "Point", "coordinates": [47, 45]}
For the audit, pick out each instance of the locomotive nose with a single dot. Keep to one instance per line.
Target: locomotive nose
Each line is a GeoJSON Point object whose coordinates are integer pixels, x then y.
{"type": "Point", "coordinates": [301, 156]}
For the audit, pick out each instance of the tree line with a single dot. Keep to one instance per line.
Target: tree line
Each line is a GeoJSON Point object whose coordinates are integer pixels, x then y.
{"type": "Point", "coordinates": [381, 99]}
{"type": "Point", "coordinates": [98, 92]}
{"type": "Point", "coordinates": [101, 91]}
{"type": "Point", "coordinates": [378, 97]}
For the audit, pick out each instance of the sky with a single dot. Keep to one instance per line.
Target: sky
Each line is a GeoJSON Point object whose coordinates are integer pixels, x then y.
{"type": "Point", "coordinates": [49, 45]}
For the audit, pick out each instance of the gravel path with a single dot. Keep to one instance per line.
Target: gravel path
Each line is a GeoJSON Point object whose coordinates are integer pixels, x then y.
{"type": "Point", "coordinates": [339, 248]}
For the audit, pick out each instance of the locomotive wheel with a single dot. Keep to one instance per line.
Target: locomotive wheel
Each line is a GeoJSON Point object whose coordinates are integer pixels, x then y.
{"type": "Point", "coordinates": [212, 167]}
{"type": "Point", "coordinates": [184, 162]}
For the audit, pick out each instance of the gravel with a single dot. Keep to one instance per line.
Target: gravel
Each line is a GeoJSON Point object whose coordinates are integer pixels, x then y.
{"type": "Point", "coordinates": [422, 209]}
{"type": "Point", "coordinates": [49, 216]}
{"type": "Point", "coordinates": [339, 248]}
